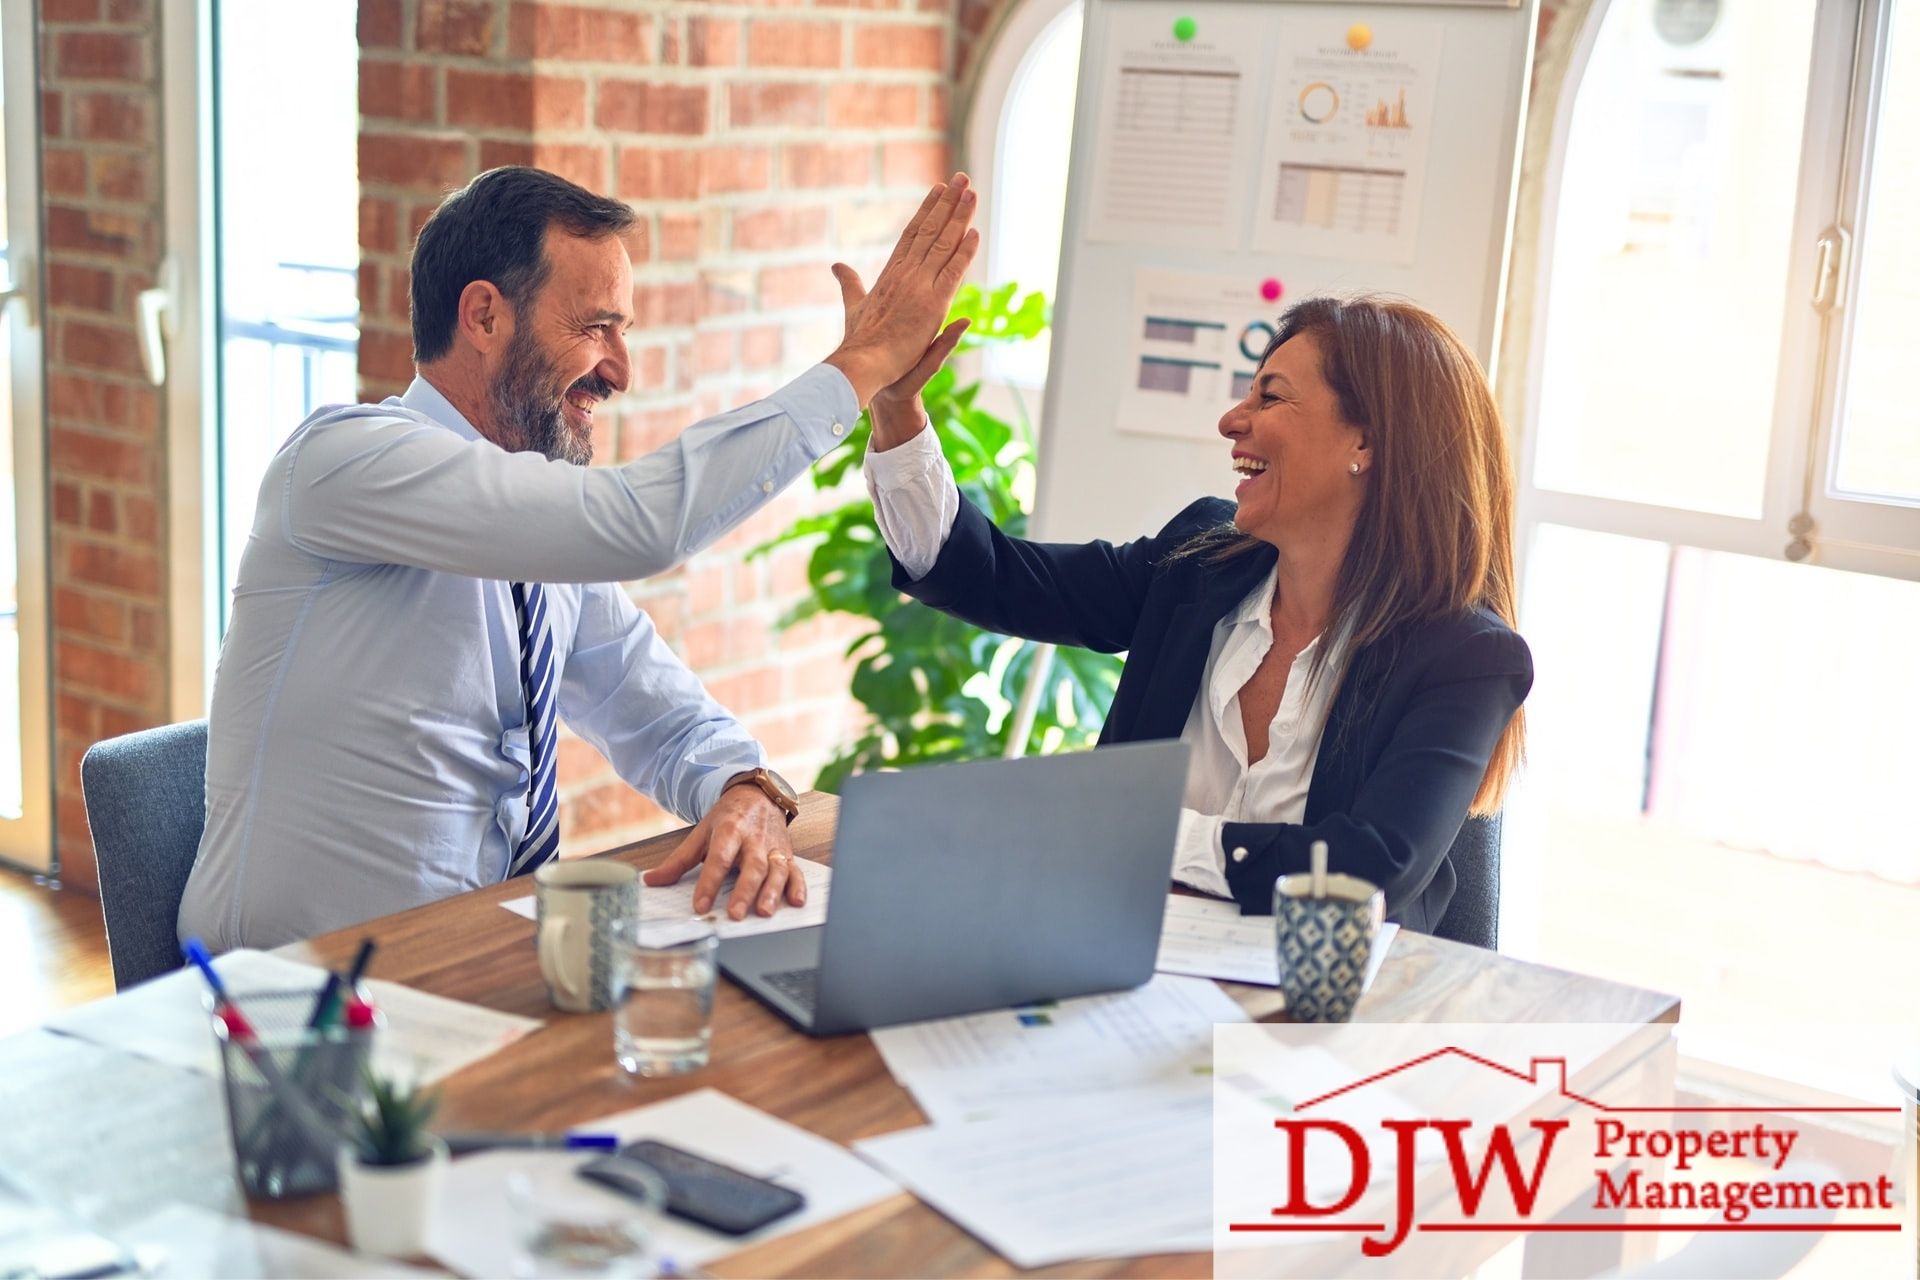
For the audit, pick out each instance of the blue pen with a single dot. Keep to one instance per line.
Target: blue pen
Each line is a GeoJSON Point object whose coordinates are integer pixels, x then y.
{"type": "Point", "coordinates": [462, 1143]}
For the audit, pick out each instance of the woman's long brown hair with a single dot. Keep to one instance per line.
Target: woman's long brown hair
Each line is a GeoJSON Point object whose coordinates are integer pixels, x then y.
{"type": "Point", "coordinates": [1434, 535]}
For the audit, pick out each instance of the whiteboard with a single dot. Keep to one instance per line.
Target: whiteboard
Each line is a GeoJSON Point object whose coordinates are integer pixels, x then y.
{"type": "Point", "coordinates": [1225, 148]}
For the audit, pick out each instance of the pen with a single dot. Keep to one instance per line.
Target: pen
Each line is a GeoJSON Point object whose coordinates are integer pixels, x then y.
{"type": "Point", "coordinates": [462, 1143]}
{"type": "Point", "coordinates": [243, 1034]}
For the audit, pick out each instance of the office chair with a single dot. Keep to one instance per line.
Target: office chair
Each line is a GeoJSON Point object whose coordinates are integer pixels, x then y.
{"type": "Point", "coordinates": [146, 799]}
{"type": "Point", "coordinates": [1473, 916]}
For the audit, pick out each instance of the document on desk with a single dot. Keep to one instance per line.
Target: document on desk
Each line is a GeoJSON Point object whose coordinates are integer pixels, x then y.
{"type": "Point", "coordinates": [1114, 1175]}
{"type": "Point", "coordinates": [1209, 938]}
{"type": "Point", "coordinates": [186, 1241]}
{"type": "Point", "coordinates": [426, 1037]}
{"type": "Point", "coordinates": [967, 1068]}
{"type": "Point", "coordinates": [666, 913]}
{"type": "Point", "coordinates": [474, 1230]}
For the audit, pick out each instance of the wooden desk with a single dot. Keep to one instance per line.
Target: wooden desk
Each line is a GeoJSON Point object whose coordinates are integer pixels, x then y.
{"type": "Point", "coordinates": [564, 1074]}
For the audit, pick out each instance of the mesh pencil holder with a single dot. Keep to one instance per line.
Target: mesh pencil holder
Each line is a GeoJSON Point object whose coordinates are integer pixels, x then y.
{"type": "Point", "coordinates": [292, 1092]}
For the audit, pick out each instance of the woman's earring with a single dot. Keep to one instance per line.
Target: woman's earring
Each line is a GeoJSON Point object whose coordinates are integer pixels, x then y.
{"type": "Point", "coordinates": [1353, 468]}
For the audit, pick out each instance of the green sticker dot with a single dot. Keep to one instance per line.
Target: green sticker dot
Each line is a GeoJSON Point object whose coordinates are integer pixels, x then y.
{"type": "Point", "coordinates": [1184, 29]}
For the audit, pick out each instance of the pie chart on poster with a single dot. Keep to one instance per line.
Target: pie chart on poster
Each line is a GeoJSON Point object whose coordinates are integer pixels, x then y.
{"type": "Point", "coordinates": [1318, 102]}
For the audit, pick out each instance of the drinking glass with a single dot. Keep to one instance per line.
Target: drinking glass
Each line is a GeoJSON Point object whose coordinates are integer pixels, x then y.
{"type": "Point", "coordinates": [663, 1022]}
{"type": "Point", "coordinates": [586, 1234]}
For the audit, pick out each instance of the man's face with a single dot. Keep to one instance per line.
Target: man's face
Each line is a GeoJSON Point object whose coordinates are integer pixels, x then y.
{"type": "Point", "coordinates": [567, 351]}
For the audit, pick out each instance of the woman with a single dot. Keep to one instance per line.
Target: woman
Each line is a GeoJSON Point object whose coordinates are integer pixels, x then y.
{"type": "Point", "coordinates": [1337, 645]}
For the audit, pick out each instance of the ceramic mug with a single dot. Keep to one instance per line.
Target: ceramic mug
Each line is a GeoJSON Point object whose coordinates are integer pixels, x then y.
{"type": "Point", "coordinates": [582, 911]}
{"type": "Point", "coordinates": [1324, 943]}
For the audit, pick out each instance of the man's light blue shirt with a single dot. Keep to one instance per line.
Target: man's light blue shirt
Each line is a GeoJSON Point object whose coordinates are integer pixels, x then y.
{"type": "Point", "coordinates": [367, 747]}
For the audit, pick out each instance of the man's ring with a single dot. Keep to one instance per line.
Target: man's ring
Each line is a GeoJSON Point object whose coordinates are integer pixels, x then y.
{"type": "Point", "coordinates": [780, 858]}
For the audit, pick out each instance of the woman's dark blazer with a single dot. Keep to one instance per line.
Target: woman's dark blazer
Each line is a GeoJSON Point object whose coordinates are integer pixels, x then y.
{"type": "Point", "coordinates": [1407, 739]}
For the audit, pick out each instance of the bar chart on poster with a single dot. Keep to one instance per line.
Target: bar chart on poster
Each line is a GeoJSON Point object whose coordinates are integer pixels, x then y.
{"type": "Point", "coordinates": [1231, 158]}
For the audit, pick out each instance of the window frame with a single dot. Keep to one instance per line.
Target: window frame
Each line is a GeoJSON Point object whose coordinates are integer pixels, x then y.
{"type": "Point", "coordinates": [27, 842]}
{"type": "Point", "coordinates": [1800, 459]}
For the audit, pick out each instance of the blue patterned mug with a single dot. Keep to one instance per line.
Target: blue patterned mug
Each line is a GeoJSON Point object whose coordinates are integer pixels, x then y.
{"type": "Point", "coordinates": [582, 912]}
{"type": "Point", "coordinates": [1324, 943]}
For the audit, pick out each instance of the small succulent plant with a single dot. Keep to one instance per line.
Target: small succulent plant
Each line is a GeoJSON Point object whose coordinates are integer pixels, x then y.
{"type": "Point", "coordinates": [391, 1129]}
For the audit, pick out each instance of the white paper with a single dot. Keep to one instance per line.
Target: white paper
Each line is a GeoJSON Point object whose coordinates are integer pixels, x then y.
{"type": "Point", "coordinates": [966, 1068]}
{"type": "Point", "coordinates": [1194, 348]}
{"type": "Point", "coordinates": [1348, 131]}
{"type": "Point", "coordinates": [475, 1230]}
{"type": "Point", "coordinates": [192, 1242]}
{"type": "Point", "coordinates": [666, 913]}
{"type": "Point", "coordinates": [1175, 127]}
{"type": "Point", "coordinates": [426, 1037]}
{"type": "Point", "coordinates": [1124, 1174]}
{"type": "Point", "coordinates": [1209, 938]}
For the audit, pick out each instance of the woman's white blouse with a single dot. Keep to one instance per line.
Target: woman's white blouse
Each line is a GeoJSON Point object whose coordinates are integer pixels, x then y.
{"type": "Point", "coordinates": [915, 504]}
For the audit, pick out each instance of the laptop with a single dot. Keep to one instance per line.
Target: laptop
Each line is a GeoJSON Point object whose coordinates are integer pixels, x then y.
{"type": "Point", "coordinates": [958, 888]}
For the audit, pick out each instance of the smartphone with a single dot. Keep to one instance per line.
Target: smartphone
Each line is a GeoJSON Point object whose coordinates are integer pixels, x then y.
{"type": "Point", "coordinates": [698, 1189]}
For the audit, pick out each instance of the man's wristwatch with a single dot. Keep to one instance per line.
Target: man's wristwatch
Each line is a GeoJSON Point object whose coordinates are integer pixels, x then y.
{"type": "Point", "coordinates": [776, 787]}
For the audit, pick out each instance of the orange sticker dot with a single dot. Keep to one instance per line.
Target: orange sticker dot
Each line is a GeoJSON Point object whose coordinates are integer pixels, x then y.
{"type": "Point", "coordinates": [1359, 36]}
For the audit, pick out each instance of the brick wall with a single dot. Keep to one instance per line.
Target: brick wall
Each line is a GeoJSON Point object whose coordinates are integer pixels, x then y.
{"type": "Point", "coordinates": [100, 103]}
{"type": "Point", "coordinates": [758, 142]}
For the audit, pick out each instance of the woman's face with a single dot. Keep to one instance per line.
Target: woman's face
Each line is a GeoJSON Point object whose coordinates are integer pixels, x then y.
{"type": "Point", "coordinates": [1294, 452]}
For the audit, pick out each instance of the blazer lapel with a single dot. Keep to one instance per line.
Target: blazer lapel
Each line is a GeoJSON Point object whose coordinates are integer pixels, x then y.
{"type": "Point", "coordinates": [1182, 659]}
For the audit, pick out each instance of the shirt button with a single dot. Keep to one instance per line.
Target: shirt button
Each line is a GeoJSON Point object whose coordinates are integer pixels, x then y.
{"type": "Point", "coordinates": [766, 486]}
{"type": "Point", "coordinates": [1240, 855]}
{"type": "Point", "coordinates": [839, 429]}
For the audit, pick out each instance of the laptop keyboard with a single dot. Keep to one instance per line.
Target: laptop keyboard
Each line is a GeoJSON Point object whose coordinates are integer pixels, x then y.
{"type": "Point", "coordinates": [802, 986]}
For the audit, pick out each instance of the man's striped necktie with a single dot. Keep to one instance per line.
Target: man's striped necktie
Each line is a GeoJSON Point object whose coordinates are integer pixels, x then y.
{"type": "Point", "coordinates": [542, 839]}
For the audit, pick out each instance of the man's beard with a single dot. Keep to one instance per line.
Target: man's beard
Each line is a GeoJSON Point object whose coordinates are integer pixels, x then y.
{"type": "Point", "coordinates": [530, 413]}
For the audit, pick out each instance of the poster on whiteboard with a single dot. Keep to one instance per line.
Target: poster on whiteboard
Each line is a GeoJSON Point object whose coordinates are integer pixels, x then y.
{"type": "Point", "coordinates": [1195, 347]}
{"type": "Point", "coordinates": [1170, 154]}
{"type": "Point", "coordinates": [1349, 128]}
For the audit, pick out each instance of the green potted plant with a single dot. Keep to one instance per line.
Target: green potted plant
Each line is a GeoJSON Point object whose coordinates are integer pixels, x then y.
{"type": "Point", "coordinates": [937, 689]}
{"type": "Point", "coordinates": [391, 1168]}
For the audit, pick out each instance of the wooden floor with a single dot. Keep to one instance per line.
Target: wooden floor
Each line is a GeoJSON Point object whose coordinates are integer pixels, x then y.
{"type": "Point", "coordinates": [53, 951]}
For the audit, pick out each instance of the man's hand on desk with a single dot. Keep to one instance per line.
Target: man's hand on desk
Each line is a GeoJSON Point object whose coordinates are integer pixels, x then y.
{"type": "Point", "coordinates": [745, 829]}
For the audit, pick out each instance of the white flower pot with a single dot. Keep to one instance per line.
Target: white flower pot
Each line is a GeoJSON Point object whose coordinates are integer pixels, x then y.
{"type": "Point", "coordinates": [390, 1207]}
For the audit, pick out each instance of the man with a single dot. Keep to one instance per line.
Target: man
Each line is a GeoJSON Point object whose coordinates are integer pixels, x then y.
{"type": "Point", "coordinates": [425, 588]}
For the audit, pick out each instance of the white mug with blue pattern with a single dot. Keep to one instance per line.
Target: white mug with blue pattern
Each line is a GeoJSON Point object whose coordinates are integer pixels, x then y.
{"type": "Point", "coordinates": [583, 911]}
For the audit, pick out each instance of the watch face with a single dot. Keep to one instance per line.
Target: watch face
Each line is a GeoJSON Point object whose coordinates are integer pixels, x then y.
{"type": "Point", "coordinates": [786, 788]}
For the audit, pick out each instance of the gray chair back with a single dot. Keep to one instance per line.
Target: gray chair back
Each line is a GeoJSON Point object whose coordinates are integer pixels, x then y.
{"type": "Point", "coordinates": [146, 805]}
{"type": "Point", "coordinates": [1474, 914]}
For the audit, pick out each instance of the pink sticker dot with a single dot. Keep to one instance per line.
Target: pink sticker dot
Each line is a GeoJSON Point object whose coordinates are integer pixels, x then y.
{"type": "Point", "coordinates": [1270, 289]}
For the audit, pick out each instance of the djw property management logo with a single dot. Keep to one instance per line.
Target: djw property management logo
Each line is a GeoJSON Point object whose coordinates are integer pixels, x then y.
{"type": "Point", "coordinates": [1504, 1150]}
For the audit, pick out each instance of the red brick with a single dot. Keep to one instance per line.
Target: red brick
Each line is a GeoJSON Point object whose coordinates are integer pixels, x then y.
{"type": "Point", "coordinates": [112, 675]}
{"type": "Point", "coordinates": [820, 164]}
{"type": "Point", "coordinates": [120, 175]}
{"type": "Point", "coordinates": [760, 347]}
{"type": "Point", "coordinates": [725, 640]}
{"type": "Point", "coordinates": [53, 114]}
{"type": "Point", "coordinates": [827, 676]}
{"type": "Point", "coordinates": [724, 170]}
{"type": "Point", "coordinates": [638, 106]}
{"type": "Point", "coordinates": [399, 288]}
{"type": "Point", "coordinates": [713, 352]}
{"type": "Point", "coordinates": [611, 807]}
{"type": "Point", "coordinates": [787, 736]}
{"type": "Point", "coordinates": [102, 516]}
{"type": "Point", "coordinates": [655, 173]}
{"type": "Point", "coordinates": [110, 347]}
{"type": "Point", "coordinates": [100, 55]}
{"type": "Point", "coordinates": [77, 716]}
{"type": "Point", "coordinates": [584, 163]}
{"type": "Point", "coordinates": [434, 164]}
{"type": "Point", "coordinates": [63, 171]}
{"type": "Point", "coordinates": [386, 358]}
{"type": "Point", "coordinates": [873, 106]}
{"type": "Point", "coordinates": [679, 237]}
{"type": "Point", "coordinates": [110, 117]}
{"type": "Point", "coordinates": [398, 91]}
{"type": "Point", "coordinates": [85, 288]}
{"type": "Point", "coordinates": [577, 760]}
{"type": "Point", "coordinates": [516, 100]}
{"type": "Point", "coordinates": [66, 502]}
{"type": "Point", "coordinates": [939, 108]}
{"type": "Point", "coordinates": [809, 285]}
{"type": "Point", "coordinates": [900, 47]}
{"type": "Point", "coordinates": [379, 224]}
{"type": "Point", "coordinates": [757, 105]}
{"type": "Point", "coordinates": [130, 13]}
{"type": "Point", "coordinates": [137, 572]}
{"type": "Point", "coordinates": [454, 26]}
{"type": "Point", "coordinates": [912, 163]}
{"type": "Point", "coordinates": [140, 518]}
{"type": "Point", "coordinates": [146, 630]}
{"type": "Point", "coordinates": [706, 587]}
{"type": "Point", "coordinates": [779, 227]}
{"type": "Point", "coordinates": [381, 23]}
{"type": "Point", "coordinates": [669, 305]}
{"type": "Point", "coordinates": [52, 11]}
{"type": "Point", "coordinates": [73, 452]}
{"type": "Point", "coordinates": [81, 613]}
{"type": "Point", "coordinates": [793, 44]}
{"type": "Point", "coordinates": [713, 42]}
{"type": "Point", "coordinates": [575, 33]}
{"type": "Point", "coordinates": [747, 691]}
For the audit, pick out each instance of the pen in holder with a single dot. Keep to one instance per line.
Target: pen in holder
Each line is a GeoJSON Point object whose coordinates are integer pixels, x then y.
{"type": "Point", "coordinates": [292, 1090]}
{"type": "Point", "coordinates": [1324, 929]}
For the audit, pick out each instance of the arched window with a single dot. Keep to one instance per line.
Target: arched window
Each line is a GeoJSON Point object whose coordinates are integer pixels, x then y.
{"type": "Point", "coordinates": [1019, 133]}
